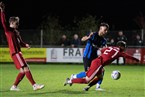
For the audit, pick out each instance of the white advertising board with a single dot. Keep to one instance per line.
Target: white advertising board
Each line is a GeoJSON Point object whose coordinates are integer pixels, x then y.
{"type": "Point", "coordinates": [65, 55]}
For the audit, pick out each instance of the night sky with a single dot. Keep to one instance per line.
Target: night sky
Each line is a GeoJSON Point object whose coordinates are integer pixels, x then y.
{"type": "Point", "coordinates": [118, 13]}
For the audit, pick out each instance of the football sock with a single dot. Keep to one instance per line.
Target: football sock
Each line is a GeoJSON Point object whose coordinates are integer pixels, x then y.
{"type": "Point", "coordinates": [81, 75]}
{"type": "Point", "coordinates": [97, 85]}
{"type": "Point", "coordinates": [29, 77]}
{"type": "Point", "coordinates": [96, 80]}
{"type": "Point", "coordinates": [19, 77]}
{"type": "Point", "coordinates": [93, 82]}
{"type": "Point", "coordinates": [100, 81]}
{"type": "Point", "coordinates": [79, 80]}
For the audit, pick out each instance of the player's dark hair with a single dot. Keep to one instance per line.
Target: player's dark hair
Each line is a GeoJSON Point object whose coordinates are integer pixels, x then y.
{"type": "Point", "coordinates": [121, 44]}
{"type": "Point", "coordinates": [105, 24]}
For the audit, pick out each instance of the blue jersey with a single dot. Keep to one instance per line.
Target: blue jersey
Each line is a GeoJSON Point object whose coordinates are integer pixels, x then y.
{"type": "Point", "coordinates": [93, 43]}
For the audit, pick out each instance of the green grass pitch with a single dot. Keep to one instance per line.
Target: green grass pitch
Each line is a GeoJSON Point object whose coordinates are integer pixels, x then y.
{"type": "Point", "coordinates": [131, 83]}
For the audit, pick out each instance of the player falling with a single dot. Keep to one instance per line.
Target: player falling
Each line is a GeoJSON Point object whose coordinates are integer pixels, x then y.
{"type": "Point", "coordinates": [109, 54]}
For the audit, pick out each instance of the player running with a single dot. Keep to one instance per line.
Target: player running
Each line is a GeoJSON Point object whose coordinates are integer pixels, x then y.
{"type": "Point", "coordinates": [95, 41]}
{"type": "Point", "coordinates": [15, 42]}
{"type": "Point", "coordinates": [109, 54]}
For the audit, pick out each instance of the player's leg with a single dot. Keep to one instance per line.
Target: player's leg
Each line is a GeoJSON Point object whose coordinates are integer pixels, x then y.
{"type": "Point", "coordinates": [21, 74]}
{"type": "Point", "coordinates": [117, 61]}
{"type": "Point", "coordinates": [79, 75]}
{"type": "Point", "coordinates": [29, 74]}
{"type": "Point", "coordinates": [30, 78]}
{"type": "Point", "coordinates": [21, 64]}
{"type": "Point", "coordinates": [124, 60]}
{"type": "Point", "coordinates": [18, 79]}
{"type": "Point", "coordinates": [87, 63]}
{"type": "Point", "coordinates": [100, 80]}
{"type": "Point", "coordinates": [96, 81]}
{"type": "Point", "coordinates": [91, 83]}
{"type": "Point", "coordinates": [93, 70]}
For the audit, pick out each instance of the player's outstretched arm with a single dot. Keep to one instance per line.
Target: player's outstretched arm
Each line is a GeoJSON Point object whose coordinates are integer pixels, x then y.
{"type": "Point", "coordinates": [130, 57]}
{"type": "Point", "coordinates": [86, 37]}
{"type": "Point", "coordinates": [2, 6]}
{"type": "Point", "coordinates": [3, 20]}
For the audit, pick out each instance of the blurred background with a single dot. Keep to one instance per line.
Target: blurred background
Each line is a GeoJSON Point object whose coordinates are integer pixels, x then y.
{"type": "Point", "coordinates": [59, 24]}
{"type": "Point", "coordinates": [42, 23]}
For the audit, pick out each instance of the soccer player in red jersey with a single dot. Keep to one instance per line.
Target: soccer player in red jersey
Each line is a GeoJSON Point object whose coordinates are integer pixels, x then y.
{"type": "Point", "coordinates": [109, 54]}
{"type": "Point", "coordinates": [15, 43]}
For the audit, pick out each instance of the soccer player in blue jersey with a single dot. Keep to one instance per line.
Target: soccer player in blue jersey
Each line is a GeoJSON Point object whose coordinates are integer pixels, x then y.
{"type": "Point", "coordinates": [95, 41]}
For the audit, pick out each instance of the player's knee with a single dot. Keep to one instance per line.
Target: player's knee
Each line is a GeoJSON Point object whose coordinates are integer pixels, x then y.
{"type": "Point", "coordinates": [88, 79]}
{"type": "Point", "coordinates": [21, 70]}
{"type": "Point", "coordinates": [100, 76]}
{"type": "Point", "coordinates": [103, 69]}
{"type": "Point", "coordinates": [26, 69]}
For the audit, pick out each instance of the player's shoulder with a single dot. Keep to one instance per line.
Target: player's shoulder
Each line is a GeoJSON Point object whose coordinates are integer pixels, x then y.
{"type": "Point", "coordinates": [115, 47]}
{"type": "Point", "coordinates": [112, 47]}
{"type": "Point", "coordinates": [95, 33]}
{"type": "Point", "coordinates": [103, 49]}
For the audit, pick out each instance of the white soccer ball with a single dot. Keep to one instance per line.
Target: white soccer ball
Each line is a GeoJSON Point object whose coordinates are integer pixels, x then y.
{"type": "Point", "coordinates": [115, 74]}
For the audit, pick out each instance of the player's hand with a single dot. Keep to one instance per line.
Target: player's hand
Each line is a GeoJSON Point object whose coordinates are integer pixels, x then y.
{"type": "Point", "coordinates": [91, 34]}
{"type": "Point", "coordinates": [137, 60]}
{"type": "Point", "coordinates": [2, 6]}
{"type": "Point", "coordinates": [87, 37]}
{"type": "Point", "coordinates": [28, 46]}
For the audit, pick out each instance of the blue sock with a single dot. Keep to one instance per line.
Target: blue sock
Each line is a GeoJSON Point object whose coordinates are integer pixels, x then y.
{"type": "Point", "coordinates": [81, 75]}
{"type": "Point", "coordinates": [100, 81]}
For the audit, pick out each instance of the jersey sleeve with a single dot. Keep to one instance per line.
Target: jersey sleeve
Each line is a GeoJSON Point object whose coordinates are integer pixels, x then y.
{"type": "Point", "coordinates": [92, 37]}
{"type": "Point", "coordinates": [3, 20]}
{"type": "Point", "coordinates": [129, 57]}
{"type": "Point", "coordinates": [22, 43]}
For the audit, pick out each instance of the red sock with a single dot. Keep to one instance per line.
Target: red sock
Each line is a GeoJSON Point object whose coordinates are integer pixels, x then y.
{"type": "Point", "coordinates": [93, 82]}
{"type": "Point", "coordinates": [79, 80]}
{"type": "Point", "coordinates": [29, 77]}
{"type": "Point", "coordinates": [19, 77]}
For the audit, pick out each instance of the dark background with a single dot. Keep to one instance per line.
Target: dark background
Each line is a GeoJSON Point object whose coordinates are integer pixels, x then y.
{"type": "Point", "coordinates": [118, 14]}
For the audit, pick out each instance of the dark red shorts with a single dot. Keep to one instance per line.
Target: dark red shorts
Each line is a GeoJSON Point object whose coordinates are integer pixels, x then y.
{"type": "Point", "coordinates": [19, 61]}
{"type": "Point", "coordinates": [95, 68]}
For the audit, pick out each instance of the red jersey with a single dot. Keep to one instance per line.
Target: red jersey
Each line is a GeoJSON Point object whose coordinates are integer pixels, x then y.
{"type": "Point", "coordinates": [109, 54]}
{"type": "Point", "coordinates": [13, 37]}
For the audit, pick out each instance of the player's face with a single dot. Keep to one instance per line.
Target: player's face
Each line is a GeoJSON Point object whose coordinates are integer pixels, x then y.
{"type": "Point", "coordinates": [122, 48]}
{"type": "Point", "coordinates": [103, 31]}
{"type": "Point", "coordinates": [14, 24]}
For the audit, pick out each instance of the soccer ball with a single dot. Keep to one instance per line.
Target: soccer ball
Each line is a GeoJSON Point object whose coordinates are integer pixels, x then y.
{"type": "Point", "coordinates": [115, 74]}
